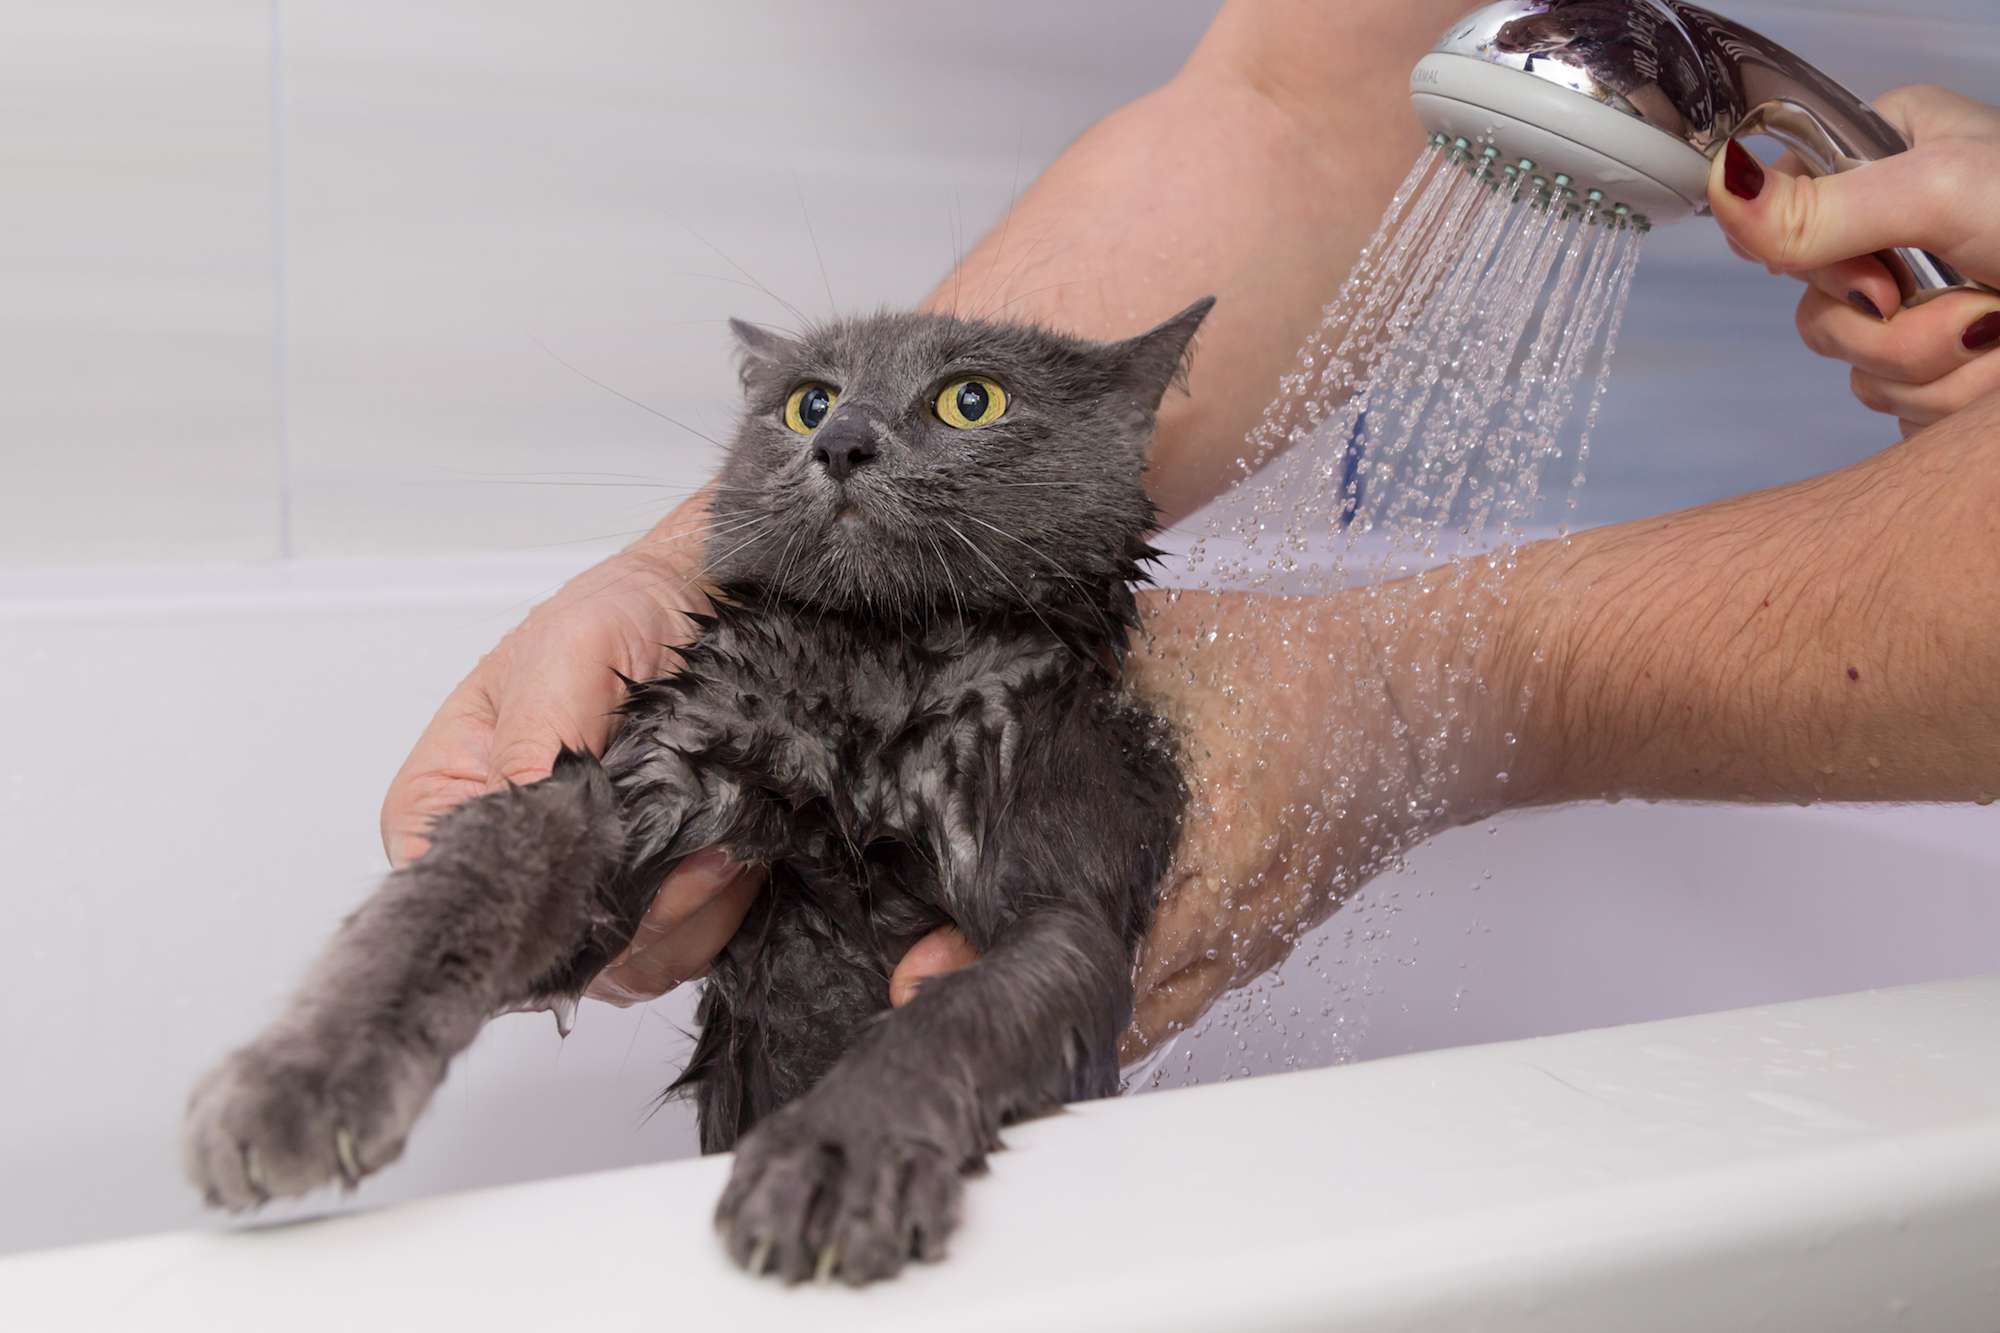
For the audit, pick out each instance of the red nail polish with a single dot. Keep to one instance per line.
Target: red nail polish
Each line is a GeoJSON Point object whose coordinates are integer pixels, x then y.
{"type": "Point", "coordinates": [1742, 173]}
{"type": "Point", "coordinates": [1859, 300]}
{"type": "Point", "coordinates": [1982, 333]}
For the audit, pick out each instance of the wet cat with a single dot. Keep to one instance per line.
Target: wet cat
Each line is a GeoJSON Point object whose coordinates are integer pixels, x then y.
{"type": "Point", "coordinates": [907, 705]}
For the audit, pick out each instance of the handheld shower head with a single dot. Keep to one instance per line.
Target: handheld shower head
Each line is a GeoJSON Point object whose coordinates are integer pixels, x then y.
{"type": "Point", "coordinates": [1635, 97]}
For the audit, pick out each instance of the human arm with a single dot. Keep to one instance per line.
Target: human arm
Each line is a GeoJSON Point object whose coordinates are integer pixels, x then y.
{"type": "Point", "coordinates": [1837, 639]}
{"type": "Point", "coordinates": [1833, 640]}
{"type": "Point", "coordinates": [1256, 175]}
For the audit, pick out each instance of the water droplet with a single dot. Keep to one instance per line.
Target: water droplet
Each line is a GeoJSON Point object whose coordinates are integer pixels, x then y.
{"type": "Point", "coordinates": [1464, 358]}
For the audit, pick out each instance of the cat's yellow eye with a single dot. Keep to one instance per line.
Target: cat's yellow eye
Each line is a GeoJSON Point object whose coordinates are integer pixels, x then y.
{"type": "Point", "coordinates": [808, 406]}
{"type": "Point", "coordinates": [972, 402]}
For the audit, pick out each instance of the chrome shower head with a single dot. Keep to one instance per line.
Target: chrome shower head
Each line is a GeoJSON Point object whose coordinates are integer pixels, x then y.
{"type": "Point", "coordinates": [1635, 97]}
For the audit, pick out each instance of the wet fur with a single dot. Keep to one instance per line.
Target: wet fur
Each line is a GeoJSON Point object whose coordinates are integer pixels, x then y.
{"type": "Point", "coordinates": [906, 704]}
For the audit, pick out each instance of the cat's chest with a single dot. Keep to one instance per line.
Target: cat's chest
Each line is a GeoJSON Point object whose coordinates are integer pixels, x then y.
{"type": "Point", "coordinates": [884, 735]}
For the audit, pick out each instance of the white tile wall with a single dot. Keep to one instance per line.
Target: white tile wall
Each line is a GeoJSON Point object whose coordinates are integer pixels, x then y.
{"type": "Point", "coordinates": [136, 282]}
{"type": "Point", "coordinates": [278, 273]}
{"type": "Point", "coordinates": [470, 184]}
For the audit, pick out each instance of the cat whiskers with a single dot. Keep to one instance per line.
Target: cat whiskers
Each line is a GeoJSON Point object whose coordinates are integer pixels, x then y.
{"type": "Point", "coordinates": [797, 313]}
{"type": "Point", "coordinates": [951, 580]}
{"type": "Point", "coordinates": [679, 491]}
{"type": "Point", "coordinates": [973, 547]}
{"type": "Point", "coordinates": [757, 532]}
{"type": "Point", "coordinates": [619, 393]}
{"type": "Point", "coordinates": [777, 584]}
{"type": "Point", "coordinates": [622, 580]}
{"type": "Point", "coordinates": [721, 527]}
{"type": "Point", "coordinates": [1061, 572]}
{"type": "Point", "coordinates": [832, 308]}
{"type": "Point", "coordinates": [999, 290]}
{"type": "Point", "coordinates": [918, 601]}
{"type": "Point", "coordinates": [922, 598]}
{"type": "Point", "coordinates": [1012, 301]}
{"type": "Point", "coordinates": [1013, 198]}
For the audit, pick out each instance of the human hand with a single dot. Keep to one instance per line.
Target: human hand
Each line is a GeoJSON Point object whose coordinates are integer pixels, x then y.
{"type": "Point", "coordinates": [550, 683]}
{"type": "Point", "coordinates": [1301, 724]}
{"type": "Point", "coordinates": [1919, 364]}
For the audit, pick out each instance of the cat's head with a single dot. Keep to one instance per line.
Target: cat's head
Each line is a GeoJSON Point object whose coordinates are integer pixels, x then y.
{"type": "Point", "coordinates": [906, 464]}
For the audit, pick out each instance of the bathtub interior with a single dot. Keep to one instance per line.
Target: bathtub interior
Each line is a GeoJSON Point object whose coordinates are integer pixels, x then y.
{"type": "Point", "coordinates": [189, 808]}
{"type": "Point", "coordinates": [1831, 1164]}
{"type": "Point", "coordinates": [332, 443]}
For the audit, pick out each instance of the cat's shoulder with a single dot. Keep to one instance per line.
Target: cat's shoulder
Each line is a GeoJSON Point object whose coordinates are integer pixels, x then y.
{"type": "Point", "coordinates": [774, 645]}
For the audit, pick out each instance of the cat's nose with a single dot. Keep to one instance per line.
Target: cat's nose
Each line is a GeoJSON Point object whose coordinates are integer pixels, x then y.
{"type": "Point", "coordinates": [842, 446]}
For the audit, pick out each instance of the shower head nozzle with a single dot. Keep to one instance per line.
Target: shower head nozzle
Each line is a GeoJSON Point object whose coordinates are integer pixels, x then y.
{"type": "Point", "coordinates": [1635, 97]}
{"type": "Point", "coordinates": [1611, 93]}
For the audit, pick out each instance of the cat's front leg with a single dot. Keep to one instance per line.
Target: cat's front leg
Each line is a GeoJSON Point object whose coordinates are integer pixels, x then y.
{"type": "Point", "coordinates": [865, 1171]}
{"type": "Point", "coordinates": [515, 892]}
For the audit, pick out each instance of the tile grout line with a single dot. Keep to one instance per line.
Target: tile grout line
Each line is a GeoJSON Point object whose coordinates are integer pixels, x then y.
{"type": "Point", "coordinates": [280, 295]}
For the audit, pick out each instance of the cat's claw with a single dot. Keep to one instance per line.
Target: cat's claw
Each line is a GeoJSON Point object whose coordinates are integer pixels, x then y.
{"type": "Point", "coordinates": [854, 1203]}
{"type": "Point", "coordinates": [280, 1118]}
{"type": "Point", "coordinates": [343, 1152]}
{"type": "Point", "coordinates": [252, 1178]}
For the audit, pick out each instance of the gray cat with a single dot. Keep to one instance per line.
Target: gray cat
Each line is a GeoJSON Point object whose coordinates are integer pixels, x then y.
{"type": "Point", "coordinates": [906, 704]}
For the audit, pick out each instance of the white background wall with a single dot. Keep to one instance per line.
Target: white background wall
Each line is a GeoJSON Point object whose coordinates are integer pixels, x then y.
{"type": "Point", "coordinates": [277, 271]}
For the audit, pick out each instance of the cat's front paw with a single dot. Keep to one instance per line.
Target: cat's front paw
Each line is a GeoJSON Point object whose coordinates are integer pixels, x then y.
{"type": "Point", "coordinates": [818, 1194]}
{"type": "Point", "coordinates": [289, 1114]}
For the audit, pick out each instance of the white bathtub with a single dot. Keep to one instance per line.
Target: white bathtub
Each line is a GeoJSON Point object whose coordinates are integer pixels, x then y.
{"type": "Point", "coordinates": [193, 761]}
{"type": "Point", "coordinates": [1831, 1165]}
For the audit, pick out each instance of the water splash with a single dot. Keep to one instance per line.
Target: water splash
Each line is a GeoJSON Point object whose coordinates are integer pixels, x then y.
{"type": "Point", "coordinates": [1381, 502]}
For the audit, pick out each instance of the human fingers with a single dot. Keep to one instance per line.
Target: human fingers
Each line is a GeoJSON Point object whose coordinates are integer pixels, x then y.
{"type": "Point", "coordinates": [943, 950]}
{"type": "Point", "coordinates": [448, 765]}
{"type": "Point", "coordinates": [1934, 196]}
{"type": "Point", "coordinates": [1920, 345]}
{"type": "Point", "coordinates": [561, 691]}
{"type": "Point", "coordinates": [1927, 404]}
{"type": "Point", "coordinates": [696, 911]}
{"type": "Point", "coordinates": [1924, 113]}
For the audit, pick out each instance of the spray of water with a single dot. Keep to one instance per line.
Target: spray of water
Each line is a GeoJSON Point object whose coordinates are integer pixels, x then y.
{"type": "Point", "coordinates": [1382, 499]}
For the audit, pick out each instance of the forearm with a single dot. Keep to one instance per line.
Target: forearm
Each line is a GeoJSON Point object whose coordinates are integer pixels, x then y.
{"type": "Point", "coordinates": [1838, 639]}
{"type": "Point", "coordinates": [1255, 175]}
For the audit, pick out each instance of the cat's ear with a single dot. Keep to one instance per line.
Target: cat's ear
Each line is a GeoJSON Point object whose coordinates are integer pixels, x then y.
{"type": "Point", "coordinates": [1157, 360]}
{"type": "Point", "coordinates": [757, 347]}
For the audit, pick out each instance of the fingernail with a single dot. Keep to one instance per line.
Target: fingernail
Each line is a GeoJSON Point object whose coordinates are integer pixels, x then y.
{"type": "Point", "coordinates": [611, 993]}
{"type": "Point", "coordinates": [1742, 173]}
{"type": "Point", "coordinates": [1983, 332]}
{"type": "Point", "coordinates": [711, 865]}
{"type": "Point", "coordinates": [1860, 301]}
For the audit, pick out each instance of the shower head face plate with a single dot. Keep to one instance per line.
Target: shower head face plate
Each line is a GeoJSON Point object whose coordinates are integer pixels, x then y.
{"type": "Point", "coordinates": [1614, 94]}
{"type": "Point", "coordinates": [1561, 134]}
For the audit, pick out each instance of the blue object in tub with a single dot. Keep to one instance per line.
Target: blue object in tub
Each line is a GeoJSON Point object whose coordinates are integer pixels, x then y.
{"type": "Point", "coordinates": [1350, 470]}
